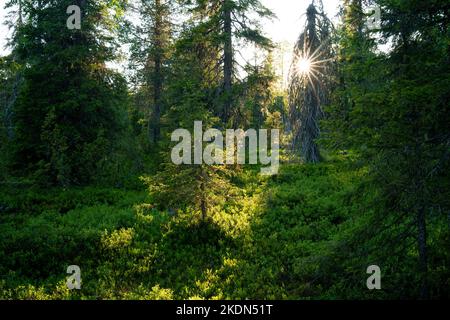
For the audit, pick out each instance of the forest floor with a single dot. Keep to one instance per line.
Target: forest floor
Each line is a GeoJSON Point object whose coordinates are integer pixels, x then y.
{"type": "Point", "coordinates": [261, 246]}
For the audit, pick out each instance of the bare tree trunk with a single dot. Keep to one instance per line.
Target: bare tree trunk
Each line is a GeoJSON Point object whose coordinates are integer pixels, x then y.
{"type": "Point", "coordinates": [154, 129]}
{"type": "Point", "coordinates": [310, 147]}
{"type": "Point", "coordinates": [228, 62]}
{"type": "Point", "coordinates": [423, 252]}
{"type": "Point", "coordinates": [157, 94]}
{"type": "Point", "coordinates": [20, 13]}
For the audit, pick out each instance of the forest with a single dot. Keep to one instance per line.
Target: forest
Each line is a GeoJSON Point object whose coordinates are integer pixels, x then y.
{"type": "Point", "coordinates": [164, 150]}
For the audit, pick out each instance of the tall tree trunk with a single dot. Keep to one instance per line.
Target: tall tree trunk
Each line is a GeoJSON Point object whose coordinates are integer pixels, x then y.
{"type": "Point", "coordinates": [157, 94]}
{"type": "Point", "coordinates": [20, 22]}
{"type": "Point", "coordinates": [423, 252]}
{"type": "Point", "coordinates": [228, 62]}
{"type": "Point", "coordinates": [421, 213]}
{"type": "Point", "coordinates": [154, 129]}
{"type": "Point", "coordinates": [310, 147]}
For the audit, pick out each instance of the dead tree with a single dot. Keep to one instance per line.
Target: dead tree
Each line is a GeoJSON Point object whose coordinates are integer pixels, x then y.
{"type": "Point", "coordinates": [310, 81]}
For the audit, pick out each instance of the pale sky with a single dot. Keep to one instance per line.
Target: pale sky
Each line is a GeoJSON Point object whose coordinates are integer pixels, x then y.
{"type": "Point", "coordinates": [291, 17]}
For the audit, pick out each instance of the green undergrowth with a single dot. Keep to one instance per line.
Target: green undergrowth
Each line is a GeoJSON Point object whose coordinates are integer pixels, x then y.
{"type": "Point", "coordinates": [267, 244]}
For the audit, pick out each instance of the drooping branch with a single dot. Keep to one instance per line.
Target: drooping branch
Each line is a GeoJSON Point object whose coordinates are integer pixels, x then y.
{"type": "Point", "coordinates": [310, 81]}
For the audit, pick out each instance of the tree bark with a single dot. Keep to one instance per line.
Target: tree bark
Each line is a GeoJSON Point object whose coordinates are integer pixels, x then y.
{"type": "Point", "coordinates": [228, 62]}
{"type": "Point", "coordinates": [311, 117]}
{"type": "Point", "coordinates": [154, 129]}
{"type": "Point", "coordinates": [423, 252]}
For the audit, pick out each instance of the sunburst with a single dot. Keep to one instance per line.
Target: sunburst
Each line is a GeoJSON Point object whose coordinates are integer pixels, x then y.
{"type": "Point", "coordinates": [303, 66]}
{"type": "Point", "coordinates": [310, 66]}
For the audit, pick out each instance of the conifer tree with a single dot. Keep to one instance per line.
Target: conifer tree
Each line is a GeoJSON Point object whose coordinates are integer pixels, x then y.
{"type": "Point", "coordinates": [310, 82]}
{"type": "Point", "coordinates": [70, 108]}
{"type": "Point", "coordinates": [225, 24]}
{"type": "Point", "coordinates": [189, 187]}
{"type": "Point", "coordinates": [151, 40]}
{"type": "Point", "coordinates": [391, 109]}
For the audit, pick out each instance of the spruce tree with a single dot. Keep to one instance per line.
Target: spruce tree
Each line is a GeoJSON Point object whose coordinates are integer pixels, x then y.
{"type": "Point", "coordinates": [151, 41]}
{"type": "Point", "coordinates": [70, 109]}
{"type": "Point", "coordinates": [310, 82]}
{"type": "Point", "coordinates": [225, 24]}
{"type": "Point", "coordinates": [189, 187]}
{"type": "Point", "coordinates": [391, 109]}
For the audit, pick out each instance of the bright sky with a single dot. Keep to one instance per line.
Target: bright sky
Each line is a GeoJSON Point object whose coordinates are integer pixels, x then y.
{"type": "Point", "coordinates": [285, 29]}
{"type": "Point", "coordinates": [291, 17]}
